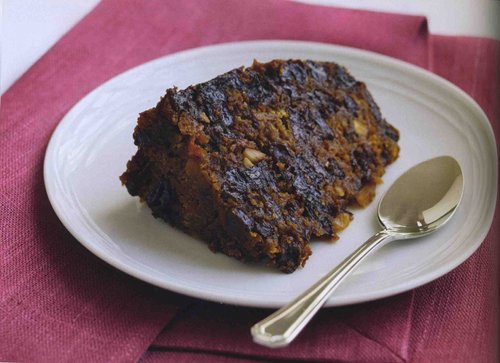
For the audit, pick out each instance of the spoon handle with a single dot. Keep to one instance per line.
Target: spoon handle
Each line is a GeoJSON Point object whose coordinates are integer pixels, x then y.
{"type": "Point", "coordinates": [281, 327]}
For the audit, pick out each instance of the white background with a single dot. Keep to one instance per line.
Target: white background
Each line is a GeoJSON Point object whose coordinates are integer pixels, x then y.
{"type": "Point", "coordinates": [30, 27]}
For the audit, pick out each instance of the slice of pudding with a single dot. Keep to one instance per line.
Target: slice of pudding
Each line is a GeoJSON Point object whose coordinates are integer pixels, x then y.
{"type": "Point", "coordinates": [259, 160]}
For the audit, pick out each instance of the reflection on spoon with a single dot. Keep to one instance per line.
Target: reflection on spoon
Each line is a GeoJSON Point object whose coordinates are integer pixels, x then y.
{"type": "Point", "coordinates": [419, 202]}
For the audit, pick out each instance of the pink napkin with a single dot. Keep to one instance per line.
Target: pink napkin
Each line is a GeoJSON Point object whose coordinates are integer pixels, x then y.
{"type": "Point", "coordinates": [60, 303]}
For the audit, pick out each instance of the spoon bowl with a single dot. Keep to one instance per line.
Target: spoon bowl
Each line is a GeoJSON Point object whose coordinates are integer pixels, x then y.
{"type": "Point", "coordinates": [423, 198]}
{"type": "Point", "coordinates": [419, 202]}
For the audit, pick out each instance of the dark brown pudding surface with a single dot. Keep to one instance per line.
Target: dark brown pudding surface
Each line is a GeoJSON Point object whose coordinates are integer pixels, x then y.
{"type": "Point", "coordinates": [259, 160]}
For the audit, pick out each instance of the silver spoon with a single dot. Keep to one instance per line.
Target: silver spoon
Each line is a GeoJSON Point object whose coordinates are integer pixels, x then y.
{"type": "Point", "coordinates": [418, 203]}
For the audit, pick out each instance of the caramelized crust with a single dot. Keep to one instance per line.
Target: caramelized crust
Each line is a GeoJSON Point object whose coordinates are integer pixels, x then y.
{"type": "Point", "coordinates": [259, 160]}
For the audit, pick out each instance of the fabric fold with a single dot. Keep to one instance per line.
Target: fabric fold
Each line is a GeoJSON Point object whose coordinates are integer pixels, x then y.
{"type": "Point", "coordinates": [224, 329]}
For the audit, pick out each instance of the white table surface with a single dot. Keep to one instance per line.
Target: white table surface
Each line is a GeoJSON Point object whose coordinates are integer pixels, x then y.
{"type": "Point", "coordinates": [30, 27]}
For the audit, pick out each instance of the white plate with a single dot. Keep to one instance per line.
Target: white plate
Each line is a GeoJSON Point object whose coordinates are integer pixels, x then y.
{"type": "Point", "coordinates": [92, 144]}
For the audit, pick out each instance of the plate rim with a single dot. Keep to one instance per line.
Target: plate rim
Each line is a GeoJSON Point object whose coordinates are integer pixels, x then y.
{"type": "Point", "coordinates": [373, 57]}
